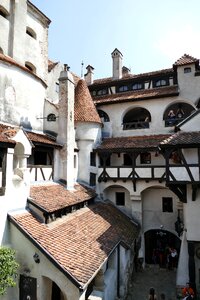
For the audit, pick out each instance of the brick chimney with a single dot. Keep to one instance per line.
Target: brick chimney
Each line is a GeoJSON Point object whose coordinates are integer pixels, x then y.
{"type": "Point", "coordinates": [64, 162]}
{"type": "Point", "coordinates": [117, 64]}
{"type": "Point", "coordinates": [89, 75]}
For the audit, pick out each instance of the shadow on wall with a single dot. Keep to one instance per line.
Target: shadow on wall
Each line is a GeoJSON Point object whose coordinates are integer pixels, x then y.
{"type": "Point", "coordinates": [24, 122]}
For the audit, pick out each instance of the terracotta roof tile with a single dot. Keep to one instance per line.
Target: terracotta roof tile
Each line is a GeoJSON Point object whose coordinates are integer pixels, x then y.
{"type": "Point", "coordinates": [131, 76]}
{"type": "Point", "coordinates": [186, 59]}
{"type": "Point", "coordinates": [137, 95]}
{"type": "Point", "coordinates": [131, 142]}
{"type": "Point", "coordinates": [52, 197]}
{"type": "Point", "coordinates": [6, 133]}
{"type": "Point", "coordinates": [42, 138]}
{"type": "Point", "coordinates": [51, 65]}
{"type": "Point", "coordinates": [84, 109]}
{"type": "Point", "coordinates": [183, 139]}
{"type": "Point", "coordinates": [82, 242]}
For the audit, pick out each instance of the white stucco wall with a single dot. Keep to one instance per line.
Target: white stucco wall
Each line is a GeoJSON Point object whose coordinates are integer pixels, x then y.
{"type": "Point", "coordinates": [21, 97]}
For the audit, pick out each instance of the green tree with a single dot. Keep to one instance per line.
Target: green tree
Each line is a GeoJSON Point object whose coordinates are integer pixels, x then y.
{"type": "Point", "coordinates": [8, 269]}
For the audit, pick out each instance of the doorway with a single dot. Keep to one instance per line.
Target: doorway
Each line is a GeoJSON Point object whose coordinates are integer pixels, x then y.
{"type": "Point", "coordinates": [157, 243]}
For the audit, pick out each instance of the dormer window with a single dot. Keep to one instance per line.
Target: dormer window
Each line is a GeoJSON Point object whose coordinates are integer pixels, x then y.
{"type": "Point", "coordinates": [123, 88]}
{"type": "Point", "coordinates": [31, 32]}
{"type": "Point", "coordinates": [137, 86]}
{"type": "Point", "coordinates": [30, 66]}
{"type": "Point", "coordinates": [102, 92]}
{"type": "Point", "coordinates": [187, 70]}
{"type": "Point", "coordinates": [161, 82]}
{"type": "Point", "coordinates": [3, 12]}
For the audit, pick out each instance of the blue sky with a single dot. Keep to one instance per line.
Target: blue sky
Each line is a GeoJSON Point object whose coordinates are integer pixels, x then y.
{"type": "Point", "coordinates": [151, 35]}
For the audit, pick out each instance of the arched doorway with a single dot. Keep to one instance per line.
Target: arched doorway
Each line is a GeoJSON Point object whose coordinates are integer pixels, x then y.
{"type": "Point", "coordinates": [157, 243]}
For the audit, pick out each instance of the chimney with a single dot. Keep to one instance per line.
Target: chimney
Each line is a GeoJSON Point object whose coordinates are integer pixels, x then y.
{"type": "Point", "coordinates": [89, 75]}
{"type": "Point", "coordinates": [64, 162]}
{"type": "Point", "coordinates": [125, 71]}
{"type": "Point", "coordinates": [117, 64]}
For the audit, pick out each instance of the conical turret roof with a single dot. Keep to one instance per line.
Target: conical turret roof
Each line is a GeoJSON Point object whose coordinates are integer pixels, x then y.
{"type": "Point", "coordinates": [84, 108]}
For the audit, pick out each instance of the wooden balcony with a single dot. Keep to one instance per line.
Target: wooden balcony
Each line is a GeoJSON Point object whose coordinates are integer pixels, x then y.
{"type": "Point", "coordinates": [41, 172]}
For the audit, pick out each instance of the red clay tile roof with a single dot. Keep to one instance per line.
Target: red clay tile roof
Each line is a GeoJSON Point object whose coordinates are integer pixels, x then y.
{"type": "Point", "coordinates": [84, 108]}
{"type": "Point", "coordinates": [51, 65]}
{"type": "Point", "coordinates": [9, 60]}
{"type": "Point", "coordinates": [6, 133]}
{"type": "Point", "coordinates": [131, 142]}
{"type": "Point", "coordinates": [52, 197]}
{"type": "Point", "coordinates": [183, 139]}
{"type": "Point", "coordinates": [137, 95]}
{"type": "Point", "coordinates": [131, 76]}
{"type": "Point", "coordinates": [81, 242]}
{"type": "Point", "coordinates": [186, 59]}
{"type": "Point", "coordinates": [42, 139]}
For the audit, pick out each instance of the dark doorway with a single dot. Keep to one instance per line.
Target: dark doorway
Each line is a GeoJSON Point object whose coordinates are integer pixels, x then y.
{"type": "Point", "coordinates": [27, 288]}
{"type": "Point", "coordinates": [157, 243]}
{"type": "Point", "coordinates": [56, 292]}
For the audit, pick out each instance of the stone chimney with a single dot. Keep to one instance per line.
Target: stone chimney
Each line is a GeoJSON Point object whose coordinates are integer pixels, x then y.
{"type": "Point", "coordinates": [89, 75]}
{"type": "Point", "coordinates": [125, 71]}
{"type": "Point", "coordinates": [117, 64]}
{"type": "Point", "coordinates": [64, 162]}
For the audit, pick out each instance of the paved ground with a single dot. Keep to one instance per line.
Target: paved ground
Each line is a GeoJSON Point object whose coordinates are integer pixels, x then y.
{"type": "Point", "coordinates": [163, 280]}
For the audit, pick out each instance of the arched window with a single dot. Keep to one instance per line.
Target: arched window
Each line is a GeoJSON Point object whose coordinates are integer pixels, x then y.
{"type": "Point", "coordinates": [176, 113]}
{"type": "Point", "coordinates": [31, 32]}
{"type": "Point", "coordinates": [51, 118]}
{"type": "Point", "coordinates": [136, 118]}
{"type": "Point", "coordinates": [30, 66]}
{"type": "Point", "coordinates": [103, 116]}
{"type": "Point", "coordinates": [3, 12]}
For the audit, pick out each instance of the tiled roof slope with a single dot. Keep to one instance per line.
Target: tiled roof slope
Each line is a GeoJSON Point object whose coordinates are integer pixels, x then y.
{"type": "Point", "coordinates": [137, 95]}
{"type": "Point", "coordinates": [131, 76]}
{"type": "Point", "coordinates": [186, 59]}
{"type": "Point", "coordinates": [6, 133]}
{"type": "Point", "coordinates": [81, 242]}
{"type": "Point", "coordinates": [84, 109]}
{"type": "Point", "coordinates": [183, 139]}
{"type": "Point", "coordinates": [42, 138]}
{"type": "Point", "coordinates": [54, 196]}
{"type": "Point", "coordinates": [51, 65]}
{"type": "Point", "coordinates": [131, 142]}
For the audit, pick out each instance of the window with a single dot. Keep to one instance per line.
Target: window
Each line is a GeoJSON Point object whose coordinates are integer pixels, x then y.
{"type": "Point", "coordinates": [137, 86]}
{"type": "Point", "coordinates": [120, 198]}
{"type": "Point", "coordinates": [103, 116]}
{"type": "Point", "coordinates": [30, 32]}
{"type": "Point", "coordinates": [161, 82]}
{"type": "Point", "coordinates": [30, 66]}
{"type": "Point", "coordinates": [187, 70]}
{"type": "Point", "coordinates": [92, 159]}
{"type": "Point", "coordinates": [107, 161]}
{"type": "Point", "coordinates": [3, 12]}
{"type": "Point", "coordinates": [92, 179]}
{"type": "Point", "coordinates": [57, 87]}
{"type": "Point", "coordinates": [102, 92]}
{"type": "Point", "coordinates": [127, 160]}
{"type": "Point", "coordinates": [145, 158]}
{"type": "Point", "coordinates": [51, 118]}
{"type": "Point", "coordinates": [167, 204]}
{"type": "Point", "coordinates": [123, 88]}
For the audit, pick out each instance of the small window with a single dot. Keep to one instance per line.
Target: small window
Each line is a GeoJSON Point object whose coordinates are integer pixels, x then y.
{"type": "Point", "coordinates": [102, 92]}
{"type": "Point", "coordinates": [127, 160]}
{"type": "Point", "coordinates": [51, 118]}
{"type": "Point", "coordinates": [94, 93]}
{"type": "Point", "coordinates": [103, 115]}
{"type": "Point", "coordinates": [145, 158]}
{"type": "Point", "coordinates": [107, 161]}
{"type": "Point", "coordinates": [92, 179]}
{"type": "Point", "coordinates": [30, 66]}
{"type": "Point", "coordinates": [92, 159]}
{"type": "Point", "coordinates": [161, 82]}
{"type": "Point", "coordinates": [187, 70]}
{"type": "Point", "coordinates": [167, 204]}
{"type": "Point", "coordinates": [3, 12]}
{"type": "Point", "coordinates": [31, 32]}
{"type": "Point", "coordinates": [57, 87]}
{"type": "Point", "coordinates": [123, 88]}
{"type": "Point", "coordinates": [137, 86]}
{"type": "Point", "coordinates": [120, 198]}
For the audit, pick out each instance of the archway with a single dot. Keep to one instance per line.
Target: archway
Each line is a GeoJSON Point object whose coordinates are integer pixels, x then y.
{"type": "Point", "coordinates": [157, 244]}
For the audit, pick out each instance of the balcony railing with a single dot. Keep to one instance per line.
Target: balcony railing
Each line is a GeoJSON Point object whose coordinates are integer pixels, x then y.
{"type": "Point", "coordinates": [135, 125]}
{"type": "Point", "coordinates": [41, 172]}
